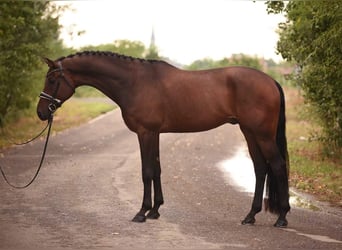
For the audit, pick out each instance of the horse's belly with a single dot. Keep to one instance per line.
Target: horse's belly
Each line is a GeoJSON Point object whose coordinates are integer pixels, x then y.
{"type": "Point", "coordinates": [195, 123]}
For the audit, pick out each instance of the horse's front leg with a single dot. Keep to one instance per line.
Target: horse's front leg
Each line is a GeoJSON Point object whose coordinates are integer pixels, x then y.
{"type": "Point", "coordinates": [158, 194]}
{"type": "Point", "coordinates": [149, 149]}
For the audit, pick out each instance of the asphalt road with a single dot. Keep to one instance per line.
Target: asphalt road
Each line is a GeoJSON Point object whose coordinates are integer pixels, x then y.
{"type": "Point", "coordinates": [90, 188]}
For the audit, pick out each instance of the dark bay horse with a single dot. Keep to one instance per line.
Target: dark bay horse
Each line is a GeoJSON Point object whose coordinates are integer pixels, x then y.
{"type": "Point", "coordinates": [155, 97]}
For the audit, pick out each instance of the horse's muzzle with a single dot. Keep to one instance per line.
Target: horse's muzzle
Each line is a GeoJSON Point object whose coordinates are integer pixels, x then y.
{"type": "Point", "coordinates": [42, 116]}
{"type": "Point", "coordinates": [52, 107]}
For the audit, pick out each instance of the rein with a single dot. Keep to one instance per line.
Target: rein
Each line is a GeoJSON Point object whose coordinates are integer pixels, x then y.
{"type": "Point", "coordinates": [28, 141]}
{"type": "Point", "coordinates": [41, 160]}
{"type": "Point", "coordinates": [53, 106]}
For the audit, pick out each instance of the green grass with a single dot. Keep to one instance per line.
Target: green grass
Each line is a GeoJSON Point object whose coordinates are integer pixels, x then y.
{"type": "Point", "coordinates": [73, 113]}
{"type": "Point", "coordinates": [87, 91]}
{"type": "Point", "coordinates": [310, 170]}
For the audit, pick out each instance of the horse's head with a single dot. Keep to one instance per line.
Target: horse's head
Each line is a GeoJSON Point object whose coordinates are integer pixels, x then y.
{"type": "Point", "coordinates": [58, 88]}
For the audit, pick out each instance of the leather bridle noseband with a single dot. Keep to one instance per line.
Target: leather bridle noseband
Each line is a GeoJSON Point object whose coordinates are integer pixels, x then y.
{"type": "Point", "coordinates": [55, 103]}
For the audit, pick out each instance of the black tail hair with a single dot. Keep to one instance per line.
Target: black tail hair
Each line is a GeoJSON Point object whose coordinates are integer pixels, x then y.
{"type": "Point", "coordinates": [272, 203]}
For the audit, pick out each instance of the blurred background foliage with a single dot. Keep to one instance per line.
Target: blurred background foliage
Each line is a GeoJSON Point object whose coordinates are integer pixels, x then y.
{"type": "Point", "coordinates": [310, 42]}
{"type": "Point", "coordinates": [311, 39]}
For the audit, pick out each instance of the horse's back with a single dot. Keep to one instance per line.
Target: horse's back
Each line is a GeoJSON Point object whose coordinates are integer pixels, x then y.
{"type": "Point", "coordinates": [195, 100]}
{"type": "Point", "coordinates": [201, 100]}
{"type": "Point", "coordinates": [173, 100]}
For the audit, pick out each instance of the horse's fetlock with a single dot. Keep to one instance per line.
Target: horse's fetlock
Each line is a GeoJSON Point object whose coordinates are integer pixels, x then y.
{"type": "Point", "coordinates": [256, 209]}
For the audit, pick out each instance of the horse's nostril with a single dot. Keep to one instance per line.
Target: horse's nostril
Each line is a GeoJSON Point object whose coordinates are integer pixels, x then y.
{"type": "Point", "coordinates": [41, 116]}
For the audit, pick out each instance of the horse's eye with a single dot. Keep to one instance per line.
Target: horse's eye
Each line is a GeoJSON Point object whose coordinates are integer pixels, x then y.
{"type": "Point", "coordinates": [52, 80]}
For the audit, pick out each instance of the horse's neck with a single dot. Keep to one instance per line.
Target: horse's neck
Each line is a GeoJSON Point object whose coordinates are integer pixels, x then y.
{"type": "Point", "coordinates": [108, 76]}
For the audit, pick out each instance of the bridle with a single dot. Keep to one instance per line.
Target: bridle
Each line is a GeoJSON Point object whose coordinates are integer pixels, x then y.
{"type": "Point", "coordinates": [55, 103]}
{"type": "Point", "coordinates": [53, 106]}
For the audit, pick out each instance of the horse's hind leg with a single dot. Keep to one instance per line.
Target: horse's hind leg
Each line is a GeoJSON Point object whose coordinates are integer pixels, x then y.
{"type": "Point", "coordinates": [260, 169]}
{"type": "Point", "coordinates": [279, 201]}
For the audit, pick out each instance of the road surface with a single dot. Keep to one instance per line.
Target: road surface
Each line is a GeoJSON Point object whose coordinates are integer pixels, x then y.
{"type": "Point", "coordinates": [90, 188]}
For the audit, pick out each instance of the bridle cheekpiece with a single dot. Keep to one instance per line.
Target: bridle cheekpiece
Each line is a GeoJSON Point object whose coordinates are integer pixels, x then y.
{"type": "Point", "coordinates": [55, 103]}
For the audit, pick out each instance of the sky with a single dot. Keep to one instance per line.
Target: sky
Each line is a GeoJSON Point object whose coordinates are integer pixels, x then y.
{"type": "Point", "coordinates": [185, 30]}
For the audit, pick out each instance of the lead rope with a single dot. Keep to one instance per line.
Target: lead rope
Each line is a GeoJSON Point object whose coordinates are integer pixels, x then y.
{"type": "Point", "coordinates": [41, 160]}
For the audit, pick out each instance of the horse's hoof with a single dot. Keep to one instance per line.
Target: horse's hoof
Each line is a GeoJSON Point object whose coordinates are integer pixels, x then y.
{"type": "Point", "coordinates": [281, 223]}
{"type": "Point", "coordinates": [139, 218]}
{"type": "Point", "coordinates": [248, 221]}
{"type": "Point", "coordinates": [153, 215]}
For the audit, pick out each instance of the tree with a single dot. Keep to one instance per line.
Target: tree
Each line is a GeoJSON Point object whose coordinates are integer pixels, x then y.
{"type": "Point", "coordinates": [129, 48]}
{"type": "Point", "coordinates": [205, 63]}
{"type": "Point", "coordinates": [152, 53]}
{"type": "Point", "coordinates": [245, 60]}
{"type": "Point", "coordinates": [311, 37]}
{"type": "Point", "coordinates": [234, 60]}
{"type": "Point", "coordinates": [125, 47]}
{"type": "Point", "coordinates": [26, 31]}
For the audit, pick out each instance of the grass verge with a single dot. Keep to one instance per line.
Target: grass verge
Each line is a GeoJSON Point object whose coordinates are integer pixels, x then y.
{"type": "Point", "coordinates": [310, 170]}
{"type": "Point", "coordinates": [73, 113]}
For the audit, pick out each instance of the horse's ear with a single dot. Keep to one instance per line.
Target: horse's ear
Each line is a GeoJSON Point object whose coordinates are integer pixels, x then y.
{"type": "Point", "coordinates": [49, 62]}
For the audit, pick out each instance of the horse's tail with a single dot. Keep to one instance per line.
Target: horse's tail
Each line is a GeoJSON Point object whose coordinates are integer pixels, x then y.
{"type": "Point", "coordinates": [272, 203]}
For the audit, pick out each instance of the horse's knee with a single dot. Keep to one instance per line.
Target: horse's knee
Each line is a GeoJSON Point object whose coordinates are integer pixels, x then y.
{"type": "Point", "coordinates": [147, 174]}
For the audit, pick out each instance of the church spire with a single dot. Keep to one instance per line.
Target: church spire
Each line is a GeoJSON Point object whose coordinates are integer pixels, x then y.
{"type": "Point", "coordinates": [152, 52]}
{"type": "Point", "coordinates": [153, 39]}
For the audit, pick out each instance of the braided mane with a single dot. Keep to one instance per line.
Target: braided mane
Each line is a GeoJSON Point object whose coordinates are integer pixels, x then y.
{"type": "Point", "coordinates": [109, 54]}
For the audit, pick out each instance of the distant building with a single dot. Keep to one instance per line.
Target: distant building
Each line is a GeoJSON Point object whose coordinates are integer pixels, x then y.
{"type": "Point", "coordinates": [152, 52]}
{"type": "Point", "coordinates": [153, 39]}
